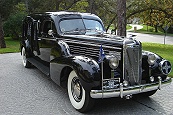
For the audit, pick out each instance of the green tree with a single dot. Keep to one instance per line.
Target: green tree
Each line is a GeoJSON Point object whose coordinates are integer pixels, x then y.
{"type": "Point", "coordinates": [53, 5]}
{"type": "Point", "coordinates": [2, 41]}
{"type": "Point", "coordinates": [6, 7]}
{"type": "Point", "coordinates": [156, 13]}
{"type": "Point", "coordinates": [12, 26]}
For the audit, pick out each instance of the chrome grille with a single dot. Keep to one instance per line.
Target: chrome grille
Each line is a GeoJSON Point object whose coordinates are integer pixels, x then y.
{"type": "Point", "coordinates": [90, 49]}
{"type": "Point", "coordinates": [85, 50]}
{"type": "Point", "coordinates": [133, 64]}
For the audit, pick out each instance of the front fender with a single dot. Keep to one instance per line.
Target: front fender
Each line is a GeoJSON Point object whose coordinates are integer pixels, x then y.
{"type": "Point", "coordinates": [88, 71]}
{"type": "Point", "coordinates": [86, 68]}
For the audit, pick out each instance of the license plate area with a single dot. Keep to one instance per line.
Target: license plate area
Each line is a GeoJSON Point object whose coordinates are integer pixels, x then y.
{"type": "Point", "coordinates": [112, 83]}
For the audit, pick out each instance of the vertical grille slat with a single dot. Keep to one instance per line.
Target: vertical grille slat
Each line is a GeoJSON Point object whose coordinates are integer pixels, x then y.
{"type": "Point", "coordinates": [132, 60]}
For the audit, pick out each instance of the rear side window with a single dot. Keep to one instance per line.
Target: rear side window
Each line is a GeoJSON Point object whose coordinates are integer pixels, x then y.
{"type": "Point", "coordinates": [49, 25]}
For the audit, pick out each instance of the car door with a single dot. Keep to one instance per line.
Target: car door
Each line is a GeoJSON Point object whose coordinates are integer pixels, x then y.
{"type": "Point", "coordinates": [46, 41]}
{"type": "Point", "coordinates": [28, 33]}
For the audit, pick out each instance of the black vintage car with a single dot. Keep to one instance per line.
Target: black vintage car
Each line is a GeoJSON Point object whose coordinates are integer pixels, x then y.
{"type": "Point", "coordinates": [75, 52]}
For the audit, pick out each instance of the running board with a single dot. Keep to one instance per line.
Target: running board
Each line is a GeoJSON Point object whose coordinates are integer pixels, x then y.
{"type": "Point", "coordinates": [40, 66]}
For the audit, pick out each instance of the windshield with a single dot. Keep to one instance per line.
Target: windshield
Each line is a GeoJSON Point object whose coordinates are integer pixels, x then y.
{"type": "Point", "coordinates": [81, 27]}
{"type": "Point", "coordinates": [93, 25]}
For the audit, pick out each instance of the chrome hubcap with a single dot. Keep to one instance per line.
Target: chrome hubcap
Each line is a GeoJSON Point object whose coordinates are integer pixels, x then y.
{"type": "Point", "coordinates": [76, 89]}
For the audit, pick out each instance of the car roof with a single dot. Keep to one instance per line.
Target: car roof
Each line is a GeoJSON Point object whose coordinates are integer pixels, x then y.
{"type": "Point", "coordinates": [70, 12]}
{"type": "Point", "coordinates": [61, 13]}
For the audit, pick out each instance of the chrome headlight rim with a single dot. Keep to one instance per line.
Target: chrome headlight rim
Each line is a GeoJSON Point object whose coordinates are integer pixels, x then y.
{"type": "Point", "coordinates": [152, 59]}
{"type": "Point", "coordinates": [113, 62]}
{"type": "Point", "coordinates": [167, 67]}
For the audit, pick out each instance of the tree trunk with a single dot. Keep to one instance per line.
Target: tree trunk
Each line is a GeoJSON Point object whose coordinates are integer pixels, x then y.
{"type": "Point", "coordinates": [92, 8]}
{"type": "Point", "coordinates": [58, 2]}
{"type": "Point", "coordinates": [2, 41]}
{"type": "Point", "coordinates": [27, 6]}
{"type": "Point", "coordinates": [156, 28]}
{"type": "Point", "coordinates": [121, 17]}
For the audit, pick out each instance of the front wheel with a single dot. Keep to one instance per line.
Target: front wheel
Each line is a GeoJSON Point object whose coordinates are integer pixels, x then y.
{"type": "Point", "coordinates": [79, 98]}
{"type": "Point", "coordinates": [26, 63]}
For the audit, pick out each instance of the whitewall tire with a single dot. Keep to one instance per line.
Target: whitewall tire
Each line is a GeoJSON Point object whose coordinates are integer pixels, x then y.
{"type": "Point", "coordinates": [79, 98]}
{"type": "Point", "coordinates": [26, 63]}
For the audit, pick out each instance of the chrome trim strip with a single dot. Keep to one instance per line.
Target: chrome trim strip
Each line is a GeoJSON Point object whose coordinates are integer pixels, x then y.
{"type": "Point", "coordinates": [51, 38]}
{"type": "Point", "coordinates": [124, 52]}
{"type": "Point", "coordinates": [102, 77]}
{"type": "Point", "coordinates": [160, 82]}
{"type": "Point", "coordinates": [121, 90]}
{"type": "Point", "coordinates": [129, 90]}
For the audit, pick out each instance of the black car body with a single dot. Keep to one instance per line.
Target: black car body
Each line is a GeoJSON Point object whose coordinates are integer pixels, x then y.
{"type": "Point", "coordinates": [73, 49]}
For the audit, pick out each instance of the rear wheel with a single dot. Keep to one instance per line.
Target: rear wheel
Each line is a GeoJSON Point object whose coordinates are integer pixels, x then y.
{"type": "Point", "coordinates": [26, 63]}
{"type": "Point", "coordinates": [79, 98]}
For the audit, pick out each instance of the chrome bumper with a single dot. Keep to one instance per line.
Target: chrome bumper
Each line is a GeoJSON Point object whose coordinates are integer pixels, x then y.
{"type": "Point", "coordinates": [123, 91]}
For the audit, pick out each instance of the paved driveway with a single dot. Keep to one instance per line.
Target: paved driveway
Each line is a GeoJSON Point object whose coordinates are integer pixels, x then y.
{"type": "Point", "coordinates": [153, 38]}
{"type": "Point", "coordinates": [29, 92]}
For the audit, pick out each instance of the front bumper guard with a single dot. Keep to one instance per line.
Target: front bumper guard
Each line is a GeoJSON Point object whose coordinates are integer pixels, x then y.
{"type": "Point", "coordinates": [123, 91]}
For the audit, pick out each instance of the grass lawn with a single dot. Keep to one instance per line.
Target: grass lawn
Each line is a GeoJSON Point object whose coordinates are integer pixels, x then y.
{"type": "Point", "coordinates": [165, 51]}
{"type": "Point", "coordinates": [128, 27]}
{"type": "Point", "coordinates": [12, 46]}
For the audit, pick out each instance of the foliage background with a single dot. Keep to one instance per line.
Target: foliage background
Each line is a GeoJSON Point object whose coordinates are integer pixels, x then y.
{"type": "Point", "coordinates": [156, 13]}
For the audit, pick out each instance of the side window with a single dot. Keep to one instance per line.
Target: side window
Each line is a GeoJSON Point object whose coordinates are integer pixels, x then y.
{"type": "Point", "coordinates": [49, 25]}
{"type": "Point", "coordinates": [29, 29]}
{"type": "Point", "coordinates": [25, 29]}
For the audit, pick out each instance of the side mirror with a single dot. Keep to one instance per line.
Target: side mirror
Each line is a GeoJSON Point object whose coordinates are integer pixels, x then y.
{"type": "Point", "coordinates": [50, 32]}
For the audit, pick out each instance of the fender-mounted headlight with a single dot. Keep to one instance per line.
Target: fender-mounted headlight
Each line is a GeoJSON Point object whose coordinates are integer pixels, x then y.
{"type": "Point", "coordinates": [113, 62]}
{"type": "Point", "coordinates": [151, 59]}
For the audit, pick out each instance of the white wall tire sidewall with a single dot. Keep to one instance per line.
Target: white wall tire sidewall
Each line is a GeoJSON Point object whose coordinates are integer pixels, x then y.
{"type": "Point", "coordinates": [76, 105]}
{"type": "Point", "coordinates": [24, 57]}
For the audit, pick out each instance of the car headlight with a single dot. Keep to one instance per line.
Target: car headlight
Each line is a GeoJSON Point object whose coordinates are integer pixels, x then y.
{"type": "Point", "coordinates": [114, 62]}
{"type": "Point", "coordinates": [151, 59]}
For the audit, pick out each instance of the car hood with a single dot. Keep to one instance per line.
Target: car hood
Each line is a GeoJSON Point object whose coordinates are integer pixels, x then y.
{"type": "Point", "coordinates": [104, 39]}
